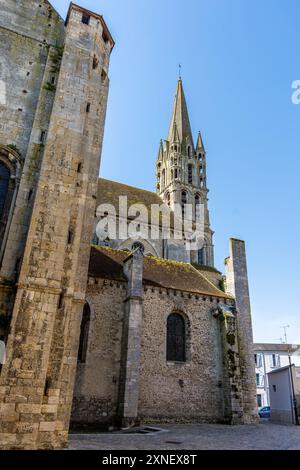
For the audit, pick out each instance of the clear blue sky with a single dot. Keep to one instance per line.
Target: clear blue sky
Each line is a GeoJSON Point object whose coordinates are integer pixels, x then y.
{"type": "Point", "coordinates": [239, 58]}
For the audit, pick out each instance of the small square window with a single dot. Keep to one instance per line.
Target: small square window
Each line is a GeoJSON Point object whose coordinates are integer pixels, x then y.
{"type": "Point", "coordinates": [85, 18]}
{"type": "Point", "coordinates": [105, 37]}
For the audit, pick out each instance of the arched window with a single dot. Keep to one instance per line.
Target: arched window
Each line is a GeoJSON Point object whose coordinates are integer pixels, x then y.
{"type": "Point", "coordinates": [176, 173]}
{"type": "Point", "coordinates": [190, 174]}
{"type": "Point", "coordinates": [4, 182]}
{"type": "Point", "coordinates": [84, 333]}
{"type": "Point", "coordinates": [176, 338]}
{"type": "Point", "coordinates": [189, 151]}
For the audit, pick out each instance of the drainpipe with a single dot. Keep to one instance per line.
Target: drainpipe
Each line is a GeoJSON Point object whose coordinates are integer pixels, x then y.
{"type": "Point", "coordinates": [294, 406]}
{"type": "Point", "coordinates": [266, 384]}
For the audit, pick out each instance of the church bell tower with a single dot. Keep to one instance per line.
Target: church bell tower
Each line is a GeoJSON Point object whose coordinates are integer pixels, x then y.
{"type": "Point", "coordinates": [181, 173]}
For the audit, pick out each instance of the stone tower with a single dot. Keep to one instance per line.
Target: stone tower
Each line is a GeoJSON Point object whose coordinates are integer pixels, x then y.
{"type": "Point", "coordinates": [181, 173]}
{"type": "Point", "coordinates": [60, 178]}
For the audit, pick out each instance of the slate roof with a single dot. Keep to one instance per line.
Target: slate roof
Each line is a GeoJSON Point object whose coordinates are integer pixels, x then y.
{"type": "Point", "coordinates": [276, 347]}
{"type": "Point", "coordinates": [180, 127]}
{"type": "Point", "coordinates": [108, 264]}
{"type": "Point", "coordinates": [109, 192]}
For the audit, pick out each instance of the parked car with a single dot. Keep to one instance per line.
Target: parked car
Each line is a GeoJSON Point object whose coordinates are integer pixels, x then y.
{"type": "Point", "coordinates": [264, 412]}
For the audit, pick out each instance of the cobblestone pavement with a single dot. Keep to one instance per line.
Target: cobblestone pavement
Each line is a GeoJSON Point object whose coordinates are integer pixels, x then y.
{"type": "Point", "coordinates": [198, 437]}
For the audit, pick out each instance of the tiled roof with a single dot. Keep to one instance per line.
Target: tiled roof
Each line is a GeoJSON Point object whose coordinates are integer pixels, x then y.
{"type": "Point", "coordinates": [108, 264]}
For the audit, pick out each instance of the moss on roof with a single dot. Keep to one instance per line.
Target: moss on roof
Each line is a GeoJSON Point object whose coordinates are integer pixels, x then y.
{"type": "Point", "coordinates": [107, 263]}
{"type": "Point", "coordinates": [109, 192]}
{"type": "Point", "coordinates": [201, 268]}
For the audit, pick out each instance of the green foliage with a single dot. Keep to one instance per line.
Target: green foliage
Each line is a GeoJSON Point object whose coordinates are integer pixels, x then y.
{"type": "Point", "coordinates": [222, 285]}
{"type": "Point", "coordinates": [50, 87]}
{"type": "Point", "coordinates": [14, 147]}
{"type": "Point", "coordinates": [230, 338]}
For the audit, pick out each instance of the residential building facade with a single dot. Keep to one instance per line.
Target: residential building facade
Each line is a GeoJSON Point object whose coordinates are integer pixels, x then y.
{"type": "Point", "coordinates": [267, 358]}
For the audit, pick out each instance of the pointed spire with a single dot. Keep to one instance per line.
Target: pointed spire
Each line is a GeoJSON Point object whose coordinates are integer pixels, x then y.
{"type": "Point", "coordinates": [180, 122]}
{"type": "Point", "coordinates": [160, 151]}
{"type": "Point", "coordinates": [200, 145]}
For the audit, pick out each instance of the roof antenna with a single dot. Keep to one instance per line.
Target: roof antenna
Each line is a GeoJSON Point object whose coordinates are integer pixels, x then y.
{"type": "Point", "coordinates": [179, 67]}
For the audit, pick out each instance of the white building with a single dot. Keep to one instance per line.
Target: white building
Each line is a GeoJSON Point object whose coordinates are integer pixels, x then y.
{"type": "Point", "coordinates": [269, 357]}
{"type": "Point", "coordinates": [285, 394]}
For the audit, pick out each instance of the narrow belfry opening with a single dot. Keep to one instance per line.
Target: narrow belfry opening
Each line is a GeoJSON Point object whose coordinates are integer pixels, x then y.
{"type": "Point", "coordinates": [88, 107]}
{"type": "Point", "coordinates": [190, 174]}
{"type": "Point", "coordinates": [79, 167]}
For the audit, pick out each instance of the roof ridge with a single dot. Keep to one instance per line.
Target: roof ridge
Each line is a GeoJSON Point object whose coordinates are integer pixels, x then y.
{"type": "Point", "coordinates": [213, 285]}
{"type": "Point", "coordinates": [128, 186]}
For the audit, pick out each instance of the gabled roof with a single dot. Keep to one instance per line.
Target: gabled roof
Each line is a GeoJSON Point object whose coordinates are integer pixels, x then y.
{"type": "Point", "coordinates": [180, 127]}
{"type": "Point", "coordinates": [108, 264]}
{"type": "Point", "coordinates": [109, 192]}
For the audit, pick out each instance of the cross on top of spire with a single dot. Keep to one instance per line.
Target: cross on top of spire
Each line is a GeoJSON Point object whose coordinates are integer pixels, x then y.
{"type": "Point", "coordinates": [179, 71]}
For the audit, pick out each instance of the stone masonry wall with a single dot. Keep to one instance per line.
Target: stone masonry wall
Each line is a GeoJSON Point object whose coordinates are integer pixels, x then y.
{"type": "Point", "coordinates": [97, 380]}
{"type": "Point", "coordinates": [36, 384]}
{"type": "Point", "coordinates": [193, 391]}
{"type": "Point", "coordinates": [31, 38]}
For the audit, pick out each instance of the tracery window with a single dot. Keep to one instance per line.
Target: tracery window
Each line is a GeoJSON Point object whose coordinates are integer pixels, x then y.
{"type": "Point", "coordinates": [176, 341]}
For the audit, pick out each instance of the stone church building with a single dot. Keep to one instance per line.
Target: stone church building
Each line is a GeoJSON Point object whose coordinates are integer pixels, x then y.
{"type": "Point", "coordinates": [103, 332]}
